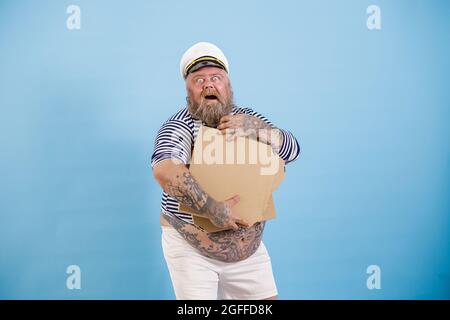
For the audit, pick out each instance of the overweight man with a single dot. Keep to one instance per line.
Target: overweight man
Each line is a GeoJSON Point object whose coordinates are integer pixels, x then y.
{"type": "Point", "coordinates": [230, 264]}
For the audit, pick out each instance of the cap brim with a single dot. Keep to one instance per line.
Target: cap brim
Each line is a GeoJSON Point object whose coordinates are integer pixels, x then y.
{"type": "Point", "coordinates": [202, 62]}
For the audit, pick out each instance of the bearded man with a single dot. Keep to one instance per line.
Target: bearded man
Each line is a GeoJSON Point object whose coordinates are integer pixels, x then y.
{"type": "Point", "coordinates": [230, 264]}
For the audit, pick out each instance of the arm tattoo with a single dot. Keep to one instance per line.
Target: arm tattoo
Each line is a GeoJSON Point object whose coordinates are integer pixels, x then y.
{"type": "Point", "coordinates": [254, 123]}
{"type": "Point", "coordinates": [187, 191]}
{"type": "Point", "coordinates": [264, 132]}
{"type": "Point", "coordinates": [227, 246]}
{"type": "Point", "coordinates": [272, 137]}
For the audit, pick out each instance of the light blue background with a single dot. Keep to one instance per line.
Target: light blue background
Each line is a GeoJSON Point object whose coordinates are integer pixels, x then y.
{"type": "Point", "coordinates": [80, 110]}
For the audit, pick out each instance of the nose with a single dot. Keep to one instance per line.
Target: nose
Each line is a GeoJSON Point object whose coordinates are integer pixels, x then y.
{"type": "Point", "coordinates": [207, 84]}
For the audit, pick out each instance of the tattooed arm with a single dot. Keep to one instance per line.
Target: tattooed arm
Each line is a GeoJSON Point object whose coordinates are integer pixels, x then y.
{"type": "Point", "coordinates": [228, 245]}
{"type": "Point", "coordinates": [245, 125]}
{"type": "Point", "coordinates": [176, 180]}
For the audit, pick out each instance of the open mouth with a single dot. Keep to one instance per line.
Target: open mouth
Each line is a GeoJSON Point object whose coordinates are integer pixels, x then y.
{"type": "Point", "coordinates": [211, 97]}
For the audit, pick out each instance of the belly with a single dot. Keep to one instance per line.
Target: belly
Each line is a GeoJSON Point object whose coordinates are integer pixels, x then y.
{"type": "Point", "coordinates": [227, 246]}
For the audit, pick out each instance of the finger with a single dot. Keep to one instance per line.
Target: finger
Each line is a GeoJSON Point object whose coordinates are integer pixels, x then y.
{"type": "Point", "coordinates": [225, 118]}
{"type": "Point", "coordinates": [223, 126]}
{"type": "Point", "coordinates": [234, 226]}
{"type": "Point", "coordinates": [233, 200]}
{"type": "Point", "coordinates": [243, 222]}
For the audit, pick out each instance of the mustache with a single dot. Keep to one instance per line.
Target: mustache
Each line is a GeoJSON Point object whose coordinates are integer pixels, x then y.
{"type": "Point", "coordinates": [211, 92]}
{"type": "Point", "coordinates": [210, 115]}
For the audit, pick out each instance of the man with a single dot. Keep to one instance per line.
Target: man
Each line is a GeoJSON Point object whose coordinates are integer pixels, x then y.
{"type": "Point", "coordinates": [230, 264]}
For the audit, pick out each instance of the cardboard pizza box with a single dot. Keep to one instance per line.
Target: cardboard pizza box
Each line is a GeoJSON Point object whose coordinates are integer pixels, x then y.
{"type": "Point", "coordinates": [243, 167]}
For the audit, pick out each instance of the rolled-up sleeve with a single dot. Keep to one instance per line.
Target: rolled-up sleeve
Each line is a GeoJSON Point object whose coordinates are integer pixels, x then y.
{"type": "Point", "coordinates": [290, 149]}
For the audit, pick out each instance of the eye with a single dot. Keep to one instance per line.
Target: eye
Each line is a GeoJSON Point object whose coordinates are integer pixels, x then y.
{"type": "Point", "coordinates": [199, 81]}
{"type": "Point", "coordinates": [215, 78]}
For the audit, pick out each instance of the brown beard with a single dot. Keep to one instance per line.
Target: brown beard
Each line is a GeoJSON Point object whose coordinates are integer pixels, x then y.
{"type": "Point", "coordinates": [210, 114]}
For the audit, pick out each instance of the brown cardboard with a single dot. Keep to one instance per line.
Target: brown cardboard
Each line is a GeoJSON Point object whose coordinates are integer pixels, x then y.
{"type": "Point", "coordinates": [244, 167]}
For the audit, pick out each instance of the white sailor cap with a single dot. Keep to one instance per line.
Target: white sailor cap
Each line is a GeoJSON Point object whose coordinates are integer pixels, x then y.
{"type": "Point", "coordinates": [202, 54]}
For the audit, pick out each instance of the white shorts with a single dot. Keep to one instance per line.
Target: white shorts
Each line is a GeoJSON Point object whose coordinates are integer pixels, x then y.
{"type": "Point", "coordinates": [196, 277]}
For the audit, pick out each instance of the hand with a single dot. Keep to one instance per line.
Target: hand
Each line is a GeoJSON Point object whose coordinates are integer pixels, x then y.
{"type": "Point", "coordinates": [223, 217]}
{"type": "Point", "coordinates": [241, 125]}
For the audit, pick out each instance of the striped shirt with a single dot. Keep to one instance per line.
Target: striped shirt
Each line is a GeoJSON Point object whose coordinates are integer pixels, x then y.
{"type": "Point", "coordinates": [176, 139]}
